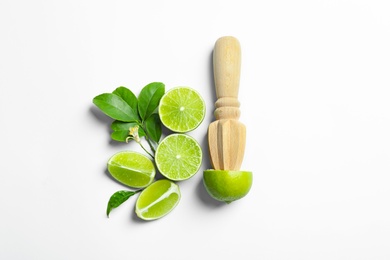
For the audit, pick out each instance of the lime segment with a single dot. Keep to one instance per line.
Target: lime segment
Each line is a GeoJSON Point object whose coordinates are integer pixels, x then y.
{"type": "Point", "coordinates": [157, 200]}
{"type": "Point", "coordinates": [178, 157]}
{"type": "Point", "coordinates": [132, 169]}
{"type": "Point", "coordinates": [182, 109]}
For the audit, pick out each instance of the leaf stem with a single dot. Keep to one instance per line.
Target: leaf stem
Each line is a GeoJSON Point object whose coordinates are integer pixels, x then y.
{"type": "Point", "coordinates": [146, 150]}
{"type": "Point", "coordinates": [150, 144]}
{"type": "Point", "coordinates": [148, 139]}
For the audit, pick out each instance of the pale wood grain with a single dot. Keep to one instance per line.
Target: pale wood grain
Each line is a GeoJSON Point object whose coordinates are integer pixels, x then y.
{"type": "Point", "coordinates": [227, 135]}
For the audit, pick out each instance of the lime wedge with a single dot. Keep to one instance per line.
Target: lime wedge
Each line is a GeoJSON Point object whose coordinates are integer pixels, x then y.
{"type": "Point", "coordinates": [182, 109]}
{"type": "Point", "coordinates": [157, 200]}
{"type": "Point", "coordinates": [132, 169]}
{"type": "Point", "coordinates": [178, 157]}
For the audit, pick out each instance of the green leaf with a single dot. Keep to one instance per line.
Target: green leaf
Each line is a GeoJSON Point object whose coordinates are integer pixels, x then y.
{"type": "Point", "coordinates": [149, 98]}
{"type": "Point", "coordinates": [117, 199]}
{"type": "Point", "coordinates": [128, 97]}
{"type": "Point", "coordinates": [153, 127]}
{"type": "Point", "coordinates": [121, 130]}
{"type": "Point", "coordinates": [115, 107]}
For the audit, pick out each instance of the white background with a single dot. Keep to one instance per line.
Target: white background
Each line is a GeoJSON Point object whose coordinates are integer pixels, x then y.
{"type": "Point", "coordinates": [315, 90]}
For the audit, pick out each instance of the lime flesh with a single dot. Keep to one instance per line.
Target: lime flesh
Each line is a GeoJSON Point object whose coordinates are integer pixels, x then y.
{"type": "Point", "coordinates": [226, 185]}
{"type": "Point", "coordinates": [132, 169]}
{"type": "Point", "coordinates": [182, 109]}
{"type": "Point", "coordinates": [157, 200]}
{"type": "Point", "coordinates": [178, 157]}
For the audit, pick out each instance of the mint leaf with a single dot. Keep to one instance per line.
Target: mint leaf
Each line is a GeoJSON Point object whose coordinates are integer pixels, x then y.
{"type": "Point", "coordinates": [115, 107]}
{"type": "Point", "coordinates": [128, 97]}
{"type": "Point", "coordinates": [153, 127]}
{"type": "Point", "coordinates": [121, 130]}
{"type": "Point", "coordinates": [149, 98]}
{"type": "Point", "coordinates": [117, 199]}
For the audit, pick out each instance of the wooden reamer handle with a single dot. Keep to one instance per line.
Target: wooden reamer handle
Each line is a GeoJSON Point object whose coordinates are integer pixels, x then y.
{"type": "Point", "coordinates": [227, 67]}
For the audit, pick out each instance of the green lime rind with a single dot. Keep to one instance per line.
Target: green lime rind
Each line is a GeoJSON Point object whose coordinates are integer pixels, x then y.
{"type": "Point", "coordinates": [178, 157]}
{"type": "Point", "coordinates": [132, 169]}
{"type": "Point", "coordinates": [182, 109]}
{"type": "Point", "coordinates": [227, 186]}
{"type": "Point", "coordinates": [157, 200]}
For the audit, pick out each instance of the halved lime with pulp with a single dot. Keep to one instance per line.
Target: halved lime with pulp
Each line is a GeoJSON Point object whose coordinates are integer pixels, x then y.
{"type": "Point", "coordinates": [182, 109]}
{"type": "Point", "coordinates": [178, 157]}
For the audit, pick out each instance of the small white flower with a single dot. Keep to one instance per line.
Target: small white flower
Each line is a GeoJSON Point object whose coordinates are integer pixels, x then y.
{"type": "Point", "coordinates": [133, 134]}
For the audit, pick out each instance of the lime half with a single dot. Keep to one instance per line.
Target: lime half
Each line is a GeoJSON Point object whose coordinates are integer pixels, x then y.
{"type": "Point", "coordinates": [226, 185]}
{"type": "Point", "coordinates": [132, 169]}
{"type": "Point", "coordinates": [157, 200]}
{"type": "Point", "coordinates": [178, 157]}
{"type": "Point", "coordinates": [182, 109]}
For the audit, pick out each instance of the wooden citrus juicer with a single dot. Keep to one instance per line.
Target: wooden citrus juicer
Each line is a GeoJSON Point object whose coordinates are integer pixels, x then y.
{"type": "Point", "coordinates": [226, 136]}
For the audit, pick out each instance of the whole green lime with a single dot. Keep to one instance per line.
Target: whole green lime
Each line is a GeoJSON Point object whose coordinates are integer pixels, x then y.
{"type": "Point", "coordinates": [226, 185]}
